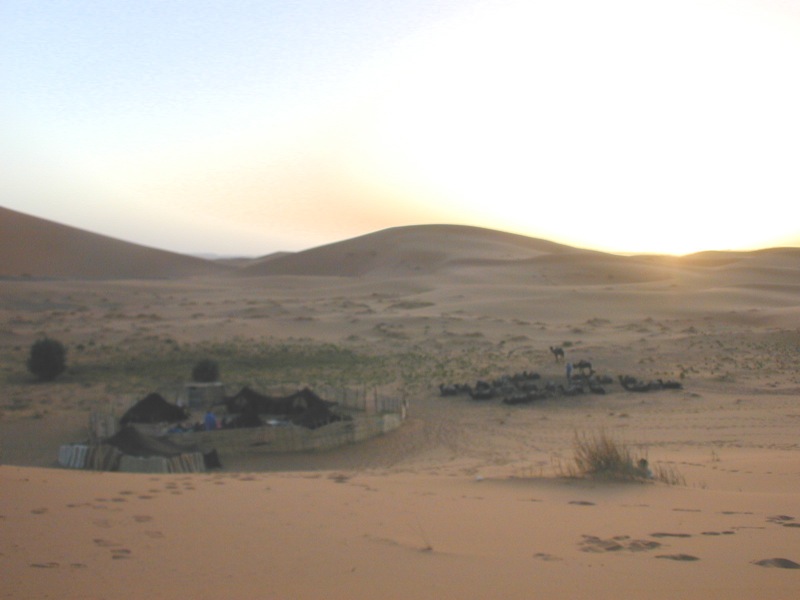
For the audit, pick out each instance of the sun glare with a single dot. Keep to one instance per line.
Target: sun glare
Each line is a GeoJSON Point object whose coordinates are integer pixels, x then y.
{"type": "Point", "coordinates": [626, 126]}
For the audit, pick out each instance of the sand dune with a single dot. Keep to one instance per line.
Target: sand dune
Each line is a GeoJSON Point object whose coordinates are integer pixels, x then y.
{"type": "Point", "coordinates": [414, 250]}
{"type": "Point", "coordinates": [467, 499]}
{"type": "Point", "coordinates": [34, 247]}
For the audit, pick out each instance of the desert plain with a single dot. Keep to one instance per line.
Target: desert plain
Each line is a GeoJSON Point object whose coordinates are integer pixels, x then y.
{"type": "Point", "coordinates": [468, 499]}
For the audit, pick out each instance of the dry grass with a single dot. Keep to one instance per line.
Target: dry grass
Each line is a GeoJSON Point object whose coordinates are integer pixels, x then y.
{"type": "Point", "coordinates": [600, 456]}
{"type": "Point", "coordinates": [669, 475]}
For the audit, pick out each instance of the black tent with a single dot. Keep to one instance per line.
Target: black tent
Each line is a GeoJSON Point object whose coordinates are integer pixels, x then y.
{"type": "Point", "coordinates": [154, 409]}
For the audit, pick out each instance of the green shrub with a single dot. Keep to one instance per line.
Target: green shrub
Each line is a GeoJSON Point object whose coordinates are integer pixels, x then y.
{"type": "Point", "coordinates": [205, 371]}
{"type": "Point", "coordinates": [48, 359]}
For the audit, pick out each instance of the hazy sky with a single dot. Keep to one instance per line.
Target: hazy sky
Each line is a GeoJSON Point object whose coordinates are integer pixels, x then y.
{"type": "Point", "coordinates": [245, 127]}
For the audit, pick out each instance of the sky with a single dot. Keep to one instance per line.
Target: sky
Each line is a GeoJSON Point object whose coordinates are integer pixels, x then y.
{"type": "Point", "coordinates": [247, 127]}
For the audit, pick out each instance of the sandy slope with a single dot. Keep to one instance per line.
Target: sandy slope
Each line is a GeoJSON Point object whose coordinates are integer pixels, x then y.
{"type": "Point", "coordinates": [400, 535]}
{"type": "Point", "coordinates": [465, 499]}
{"type": "Point", "coordinates": [34, 247]}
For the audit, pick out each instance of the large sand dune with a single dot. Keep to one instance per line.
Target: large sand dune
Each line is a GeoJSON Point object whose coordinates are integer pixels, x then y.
{"type": "Point", "coordinates": [34, 247]}
{"type": "Point", "coordinates": [466, 499]}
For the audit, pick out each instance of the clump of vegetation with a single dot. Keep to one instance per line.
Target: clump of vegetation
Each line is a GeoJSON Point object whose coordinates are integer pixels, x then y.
{"type": "Point", "coordinates": [602, 457]}
{"type": "Point", "coordinates": [48, 359]}
{"type": "Point", "coordinates": [669, 475]}
{"type": "Point", "coordinates": [205, 371]}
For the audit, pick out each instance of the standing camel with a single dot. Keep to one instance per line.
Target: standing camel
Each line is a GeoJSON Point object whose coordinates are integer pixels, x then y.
{"type": "Point", "coordinates": [558, 353]}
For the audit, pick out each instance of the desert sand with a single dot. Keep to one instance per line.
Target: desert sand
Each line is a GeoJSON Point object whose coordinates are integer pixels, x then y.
{"type": "Point", "coordinates": [467, 499]}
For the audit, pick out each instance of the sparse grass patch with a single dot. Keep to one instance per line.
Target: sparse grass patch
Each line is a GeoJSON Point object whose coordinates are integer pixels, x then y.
{"type": "Point", "coordinates": [600, 456]}
{"type": "Point", "coordinates": [154, 365]}
{"type": "Point", "coordinates": [669, 475]}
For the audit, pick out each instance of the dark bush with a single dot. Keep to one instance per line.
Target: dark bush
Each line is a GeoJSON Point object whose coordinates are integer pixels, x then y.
{"type": "Point", "coordinates": [205, 371]}
{"type": "Point", "coordinates": [48, 359]}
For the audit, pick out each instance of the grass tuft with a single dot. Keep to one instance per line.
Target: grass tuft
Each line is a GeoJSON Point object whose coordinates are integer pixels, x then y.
{"type": "Point", "coordinates": [600, 456]}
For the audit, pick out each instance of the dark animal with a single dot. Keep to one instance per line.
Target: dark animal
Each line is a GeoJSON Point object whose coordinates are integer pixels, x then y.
{"type": "Point", "coordinates": [631, 384]}
{"type": "Point", "coordinates": [671, 385]}
{"type": "Point", "coordinates": [517, 399]}
{"type": "Point", "coordinates": [456, 389]}
{"type": "Point", "coordinates": [482, 391]}
{"type": "Point", "coordinates": [154, 409]}
{"type": "Point", "coordinates": [526, 398]}
{"type": "Point", "coordinates": [447, 390]}
{"type": "Point", "coordinates": [573, 390]}
{"type": "Point", "coordinates": [558, 352]}
{"type": "Point", "coordinates": [583, 366]}
{"type": "Point", "coordinates": [524, 377]}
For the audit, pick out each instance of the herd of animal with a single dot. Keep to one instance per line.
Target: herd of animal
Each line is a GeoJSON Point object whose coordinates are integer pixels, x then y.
{"type": "Point", "coordinates": [526, 387]}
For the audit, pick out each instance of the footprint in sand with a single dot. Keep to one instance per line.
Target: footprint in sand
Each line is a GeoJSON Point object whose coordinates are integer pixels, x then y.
{"type": "Point", "coordinates": [618, 543]}
{"type": "Point", "coordinates": [39, 511]}
{"type": "Point", "coordinates": [777, 563]}
{"type": "Point", "coordinates": [546, 557]}
{"type": "Point", "coordinates": [784, 520]}
{"type": "Point", "coordinates": [118, 553]}
{"type": "Point", "coordinates": [142, 518]}
{"type": "Point", "coordinates": [678, 557]}
{"type": "Point", "coordinates": [48, 565]}
{"type": "Point", "coordinates": [156, 535]}
{"type": "Point", "coordinates": [104, 523]}
{"type": "Point", "coordinates": [676, 535]}
{"type": "Point", "coordinates": [581, 503]}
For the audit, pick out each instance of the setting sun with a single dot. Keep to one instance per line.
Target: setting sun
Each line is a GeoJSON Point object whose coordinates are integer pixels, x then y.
{"type": "Point", "coordinates": [623, 126]}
